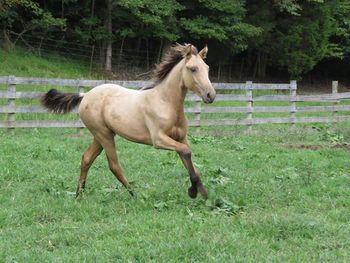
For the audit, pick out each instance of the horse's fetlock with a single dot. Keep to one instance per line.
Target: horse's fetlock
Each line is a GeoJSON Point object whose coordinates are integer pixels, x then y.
{"type": "Point", "coordinates": [196, 180]}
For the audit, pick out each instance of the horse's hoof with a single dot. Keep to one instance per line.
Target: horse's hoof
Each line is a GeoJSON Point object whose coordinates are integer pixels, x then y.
{"type": "Point", "coordinates": [192, 192]}
{"type": "Point", "coordinates": [78, 192]}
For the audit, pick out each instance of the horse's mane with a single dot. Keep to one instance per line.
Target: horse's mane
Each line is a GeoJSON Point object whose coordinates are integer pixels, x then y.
{"type": "Point", "coordinates": [173, 56]}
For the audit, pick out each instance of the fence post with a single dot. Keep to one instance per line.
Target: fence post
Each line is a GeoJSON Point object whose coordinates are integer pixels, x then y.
{"type": "Point", "coordinates": [334, 93]}
{"type": "Point", "coordinates": [293, 105]}
{"type": "Point", "coordinates": [197, 117]}
{"type": "Point", "coordinates": [80, 129]}
{"type": "Point", "coordinates": [11, 89]}
{"type": "Point", "coordinates": [249, 94]}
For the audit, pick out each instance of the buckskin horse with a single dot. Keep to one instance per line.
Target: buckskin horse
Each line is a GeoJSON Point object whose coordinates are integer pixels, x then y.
{"type": "Point", "coordinates": [153, 115]}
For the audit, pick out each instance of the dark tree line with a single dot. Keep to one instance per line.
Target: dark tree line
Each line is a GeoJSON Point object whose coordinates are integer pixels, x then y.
{"type": "Point", "coordinates": [252, 38]}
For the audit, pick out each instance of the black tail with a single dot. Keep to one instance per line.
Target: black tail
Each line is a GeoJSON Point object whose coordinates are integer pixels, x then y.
{"type": "Point", "coordinates": [59, 102]}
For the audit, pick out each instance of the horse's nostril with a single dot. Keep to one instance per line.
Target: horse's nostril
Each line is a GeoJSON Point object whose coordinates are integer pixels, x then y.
{"type": "Point", "coordinates": [208, 95]}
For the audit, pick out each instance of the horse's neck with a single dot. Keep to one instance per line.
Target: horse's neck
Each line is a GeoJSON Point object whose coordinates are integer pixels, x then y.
{"type": "Point", "coordinates": [172, 89]}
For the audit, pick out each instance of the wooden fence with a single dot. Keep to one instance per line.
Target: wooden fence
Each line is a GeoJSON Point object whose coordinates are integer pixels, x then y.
{"type": "Point", "coordinates": [10, 94]}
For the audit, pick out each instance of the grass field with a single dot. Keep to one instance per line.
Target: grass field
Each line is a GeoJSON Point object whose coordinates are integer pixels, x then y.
{"type": "Point", "coordinates": [274, 195]}
{"type": "Point", "coordinates": [272, 198]}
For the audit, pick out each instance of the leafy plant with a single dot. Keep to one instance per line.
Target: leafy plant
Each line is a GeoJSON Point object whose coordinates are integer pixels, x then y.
{"type": "Point", "coordinates": [330, 135]}
{"type": "Point", "coordinates": [224, 206]}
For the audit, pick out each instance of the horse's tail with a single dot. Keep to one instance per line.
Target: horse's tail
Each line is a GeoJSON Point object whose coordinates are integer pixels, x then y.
{"type": "Point", "coordinates": [59, 102]}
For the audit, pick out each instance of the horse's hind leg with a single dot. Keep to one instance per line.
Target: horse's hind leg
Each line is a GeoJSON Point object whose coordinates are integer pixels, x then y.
{"type": "Point", "coordinates": [109, 147]}
{"type": "Point", "coordinates": [88, 158]}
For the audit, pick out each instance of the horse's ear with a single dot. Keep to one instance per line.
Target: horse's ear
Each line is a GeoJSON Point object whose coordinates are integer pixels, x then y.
{"type": "Point", "coordinates": [188, 52]}
{"type": "Point", "coordinates": [203, 52]}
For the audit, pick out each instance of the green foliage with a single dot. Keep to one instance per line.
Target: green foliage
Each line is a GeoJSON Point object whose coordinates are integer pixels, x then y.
{"type": "Point", "coordinates": [201, 20]}
{"type": "Point", "coordinates": [290, 35]}
{"type": "Point", "coordinates": [36, 18]}
{"type": "Point", "coordinates": [148, 18]}
{"type": "Point", "coordinates": [296, 35]}
{"type": "Point", "coordinates": [341, 26]}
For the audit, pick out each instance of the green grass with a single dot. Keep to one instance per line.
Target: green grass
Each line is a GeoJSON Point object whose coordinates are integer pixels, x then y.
{"type": "Point", "coordinates": [267, 202]}
{"type": "Point", "coordinates": [22, 63]}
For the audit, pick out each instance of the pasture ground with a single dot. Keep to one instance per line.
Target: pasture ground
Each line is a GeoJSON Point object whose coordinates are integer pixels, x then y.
{"type": "Point", "coordinates": [273, 198]}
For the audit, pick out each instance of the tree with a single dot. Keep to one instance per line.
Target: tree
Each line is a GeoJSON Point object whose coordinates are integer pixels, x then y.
{"type": "Point", "coordinates": [295, 35]}
{"type": "Point", "coordinates": [26, 16]}
{"type": "Point", "coordinates": [219, 21]}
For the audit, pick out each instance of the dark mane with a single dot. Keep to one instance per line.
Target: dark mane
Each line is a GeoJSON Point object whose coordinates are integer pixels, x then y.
{"type": "Point", "coordinates": [173, 56]}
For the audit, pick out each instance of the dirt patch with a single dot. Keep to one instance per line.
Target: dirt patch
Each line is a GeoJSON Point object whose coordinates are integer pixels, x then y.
{"type": "Point", "coordinates": [315, 147]}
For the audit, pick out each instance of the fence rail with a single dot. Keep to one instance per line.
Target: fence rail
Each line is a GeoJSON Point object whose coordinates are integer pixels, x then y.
{"type": "Point", "coordinates": [11, 109]}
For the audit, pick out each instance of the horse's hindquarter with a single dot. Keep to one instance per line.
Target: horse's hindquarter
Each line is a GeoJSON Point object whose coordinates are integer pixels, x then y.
{"type": "Point", "coordinates": [118, 109]}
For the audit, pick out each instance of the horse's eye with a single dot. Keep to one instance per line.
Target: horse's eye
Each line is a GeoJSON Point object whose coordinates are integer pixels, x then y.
{"type": "Point", "coordinates": [193, 70]}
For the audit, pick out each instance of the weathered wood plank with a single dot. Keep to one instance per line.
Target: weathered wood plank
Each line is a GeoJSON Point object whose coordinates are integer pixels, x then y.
{"type": "Point", "coordinates": [224, 122]}
{"type": "Point", "coordinates": [20, 95]}
{"type": "Point", "coordinates": [206, 122]}
{"type": "Point", "coordinates": [271, 86]}
{"type": "Point", "coordinates": [132, 83]}
{"type": "Point", "coordinates": [41, 124]}
{"type": "Point", "coordinates": [3, 80]}
{"type": "Point", "coordinates": [343, 95]}
{"type": "Point", "coordinates": [75, 82]}
{"type": "Point", "coordinates": [277, 120]}
{"type": "Point", "coordinates": [220, 97]}
{"type": "Point", "coordinates": [26, 109]}
{"type": "Point", "coordinates": [324, 108]}
{"type": "Point", "coordinates": [257, 109]}
{"type": "Point", "coordinates": [263, 109]}
{"type": "Point", "coordinates": [273, 98]}
{"type": "Point", "coordinates": [225, 110]}
{"type": "Point", "coordinates": [229, 86]}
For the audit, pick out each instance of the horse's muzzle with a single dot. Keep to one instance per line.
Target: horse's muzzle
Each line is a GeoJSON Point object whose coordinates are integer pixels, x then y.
{"type": "Point", "coordinates": [209, 97]}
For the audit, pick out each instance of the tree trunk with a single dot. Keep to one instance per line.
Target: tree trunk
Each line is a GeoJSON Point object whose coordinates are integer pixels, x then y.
{"type": "Point", "coordinates": [147, 54]}
{"type": "Point", "coordinates": [256, 66]}
{"type": "Point", "coordinates": [263, 66]}
{"type": "Point", "coordinates": [249, 63]}
{"type": "Point", "coordinates": [102, 54]}
{"type": "Point", "coordinates": [108, 66]}
{"type": "Point", "coordinates": [219, 71]}
{"type": "Point", "coordinates": [7, 42]}
{"type": "Point", "coordinates": [160, 51]}
{"type": "Point", "coordinates": [241, 69]}
{"type": "Point", "coordinates": [121, 52]}
{"type": "Point", "coordinates": [92, 14]}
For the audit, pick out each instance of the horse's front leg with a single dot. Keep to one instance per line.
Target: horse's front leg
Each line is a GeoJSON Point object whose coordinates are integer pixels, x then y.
{"type": "Point", "coordinates": [192, 191]}
{"type": "Point", "coordinates": [163, 141]}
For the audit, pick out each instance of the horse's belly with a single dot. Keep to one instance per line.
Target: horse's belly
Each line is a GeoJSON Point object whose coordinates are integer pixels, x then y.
{"type": "Point", "coordinates": [125, 118]}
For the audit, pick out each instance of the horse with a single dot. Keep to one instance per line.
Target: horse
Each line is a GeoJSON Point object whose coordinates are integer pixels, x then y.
{"type": "Point", "coordinates": [153, 115]}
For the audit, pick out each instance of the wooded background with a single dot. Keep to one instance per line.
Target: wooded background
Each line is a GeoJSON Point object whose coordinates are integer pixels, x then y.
{"type": "Point", "coordinates": [257, 40]}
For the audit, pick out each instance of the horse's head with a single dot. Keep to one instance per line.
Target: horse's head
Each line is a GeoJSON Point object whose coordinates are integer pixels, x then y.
{"type": "Point", "coordinates": [196, 74]}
